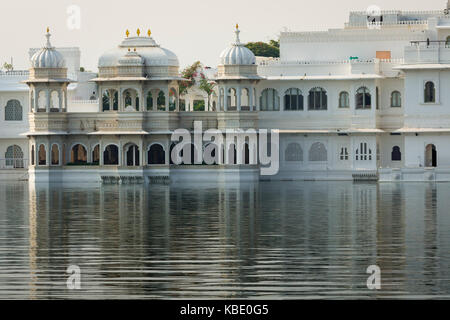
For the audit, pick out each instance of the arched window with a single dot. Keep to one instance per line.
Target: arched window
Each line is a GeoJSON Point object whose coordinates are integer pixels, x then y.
{"type": "Point", "coordinates": [42, 156]}
{"type": "Point", "coordinates": [245, 99]}
{"type": "Point", "coordinates": [128, 99]}
{"type": "Point", "coordinates": [156, 155]}
{"type": "Point", "coordinates": [161, 102]}
{"type": "Point", "coordinates": [447, 42]}
{"type": "Point", "coordinates": [221, 98]}
{"type": "Point", "coordinates": [343, 155]}
{"type": "Point", "coordinates": [42, 101]}
{"type": "Point", "coordinates": [430, 156]}
{"type": "Point", "coordinates": [232, 155]}
{"type": "Point", "coordinates": [55, 155]}
{"type": "Point", "coordinates": [13, 111]}
{"type": "Point", "coordinates": [132, 155]}
{"type": "Point", "coordinates": [14, 156]}
{"type": "Point", "coordinates": [232, 99]}
{"type": "Point", "coordinates": [293, 152]}
{"type": "Point", "coordinates": [430, 92]}
{"type": "Point", "coordinates": [396, 155]}
{"type": "Point", "coordinates": [131, 100]}
{"type": "Point", "coordinates": [246, 154]}
{"type": "Point", "coordinates": [110, 100]}
{"type": "Point", "coordinates": [78, 154]}
{"type": "Point", "coordinates": [396, 99]}
{"type": "Point", "coordinates": [318, 152]}
{"type": "Point", "coordinates": [111, 155]}
{"type": "Point", "coordinates": [317, 99]}
{"type": "Point", "coordinates": [32, 155]}
{"type": "Point", "coordinates": [363, 98]}
{"type": "Point", "coordinates": [270, 101]}
{"type": "Point", "coordinates": [96, 155]}
{"type": "Point", "coordinates": [106, 101]}
{"type": "Point", "coordinates": [149, 101]}
{"type": "Point", "coordinates": [172, 99]}
{"type": "Point", "coordinates": [293, 99]}
{"type": "Point", "coordinates": [363, 153]}
{"type": "Point", "coordinates": [344, 100]}
{"type": "Point", "coordinates": [54, 101]}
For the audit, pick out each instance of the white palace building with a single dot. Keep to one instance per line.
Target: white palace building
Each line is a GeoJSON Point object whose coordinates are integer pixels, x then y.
{"type": "Point", "coordinates": [370, 101]}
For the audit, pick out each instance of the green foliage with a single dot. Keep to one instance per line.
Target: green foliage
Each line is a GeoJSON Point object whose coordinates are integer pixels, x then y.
{"type": "Point", "coordinates": [275, 43]}
{"type": "Point", "coordinates": [199, 105]}
{"type": "Point", "coordinates": [207, 86]}
{"type": "Point", "coordinates": [7, 66]}
{"type": "Point", "coordinates": [189, 73]}
{"type": "Point", "coordinates": [82, 69]}
{"type": "Point", "coordinates": [262, 49]}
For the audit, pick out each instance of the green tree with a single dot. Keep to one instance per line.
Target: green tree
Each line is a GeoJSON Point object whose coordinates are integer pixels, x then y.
{"type": "Point", "coordinates": [262, 49]}
{"type": "Point", "coordinates": [7, 66]}
{"type": "Point", "coordinates": [275, 43]}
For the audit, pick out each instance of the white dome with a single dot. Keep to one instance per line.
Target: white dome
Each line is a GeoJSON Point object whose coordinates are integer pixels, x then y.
{"type": "Point", "coordinates": [237, 54]}
{"type": "Point", "coordinates": [48, 57]}
{"type": "Point", "coordinates": [150, 52]}
{"type": "Point", "coordinates": [132, 58]}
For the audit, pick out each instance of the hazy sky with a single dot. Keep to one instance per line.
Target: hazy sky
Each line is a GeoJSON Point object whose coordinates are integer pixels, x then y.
{"type": "Point", "coordinates": [193, 29]}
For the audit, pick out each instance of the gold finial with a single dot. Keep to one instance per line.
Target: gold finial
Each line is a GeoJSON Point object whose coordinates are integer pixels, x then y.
{"type": "Point", "coordinates": [138, 32]}
{"type": "Point", "coordinates": [134, 49]}
{"type": "Point", "coordinates": [48, 30]}
{"type": "Point", "coordinates": [127, 33]}
{"type": "Point", "coordinates": [129, 49]}
{"type": "Point", "coordinates": [149, 32]}
{"type": "Point", "coordinates": [237, 26]}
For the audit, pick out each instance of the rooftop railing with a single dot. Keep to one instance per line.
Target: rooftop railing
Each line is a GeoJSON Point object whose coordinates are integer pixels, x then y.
{"type": "Point", "coordinates": [412, 12]}
{"type": "Point", "coordinates": [431, 43]}
{"type": "Point", "coordinates": [386, 23]}
{"type": "Point", "coordinates": [15, 73]}
{"type": "Point", "coordinates": [277, 61]}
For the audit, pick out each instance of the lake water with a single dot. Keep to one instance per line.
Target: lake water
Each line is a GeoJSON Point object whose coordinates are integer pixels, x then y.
{"type": "Point", "coordinates": [288, 240]}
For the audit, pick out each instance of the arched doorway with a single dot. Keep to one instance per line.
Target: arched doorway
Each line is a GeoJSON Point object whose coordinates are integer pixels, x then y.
{"type": "Point", "coordinates": [430, 156]}
{"type": "Point", "coordinates": [111, 155]}
{"type": "Point", "coordinates": [78, 154]}
{"type": "Point", "coordinates": [156, 154]}
{"type": "Point", "coordinates": [42, 156]}
{"type": "Point", "coordinates": [96, 155]}
{"type": "Point", "coordinates": [132, 154]}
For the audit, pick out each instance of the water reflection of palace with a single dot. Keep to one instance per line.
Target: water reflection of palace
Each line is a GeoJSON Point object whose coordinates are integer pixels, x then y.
{"type": "Point", "coordinates": [287, 239]}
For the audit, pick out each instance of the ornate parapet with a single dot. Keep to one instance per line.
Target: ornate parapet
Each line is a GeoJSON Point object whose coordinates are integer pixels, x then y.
{"type": "Point", "coordinates": [47, 73]}
{"type": "Point", "coordinates": [237, 120]}
{"type": "Point", "coordinates": [237, 71]}
{"type": "Point", "coordinates": [208, 119]}
{"type": "Point", "coordinates": [56, 122]}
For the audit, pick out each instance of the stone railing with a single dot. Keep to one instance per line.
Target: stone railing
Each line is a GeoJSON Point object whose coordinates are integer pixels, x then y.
{"type": "Point", "coordinates": [22, 73]}
{"type": "Point", "coordinates": [277, 61]}
{"type": "Point", "coordinates": [386, 23]}
{"type": "Point", "coordinates": [10, 164]}
{"type": "Point", "coordinates": [84, 101]}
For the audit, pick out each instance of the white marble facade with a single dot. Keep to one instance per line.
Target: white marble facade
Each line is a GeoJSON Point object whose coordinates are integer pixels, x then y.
{"type": "Point", "coordinates": [368, 101]}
